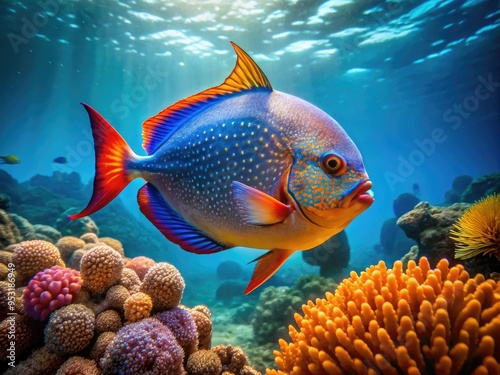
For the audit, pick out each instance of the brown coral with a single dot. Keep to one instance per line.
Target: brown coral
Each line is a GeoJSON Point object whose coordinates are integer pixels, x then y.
{"type": "Point", "coordinates": [34, 256]}
{"type": "Point", "coordinates": [233, 358]}
{"type": "Point", "coordinates": [108, 320]}
{"type": "Point", "coordinates": [26, 332]}
{"type": "Point", "coordinates": [89, 237]}
{"type": "Point", "coordinates": [130, 280]}
{"type": "Point", "coordinates": [204, 328]}
{"type": "Point", "coordinates": [70, 329]}
{"type": "Point", "coordinates": [115, 244]}
{"type": "Point", "coordinates": [79, 366]}
{"type": "Point", "coordinates": [164, 284]}
{"type": "Point", "coordinates": [203, 362]}
{"type": "Point", "coordinates": [478, 230]}
{"type": "Point", "coordinates": [140, 265]}
{"type": "Point", "coordinates": [138, 306]}
{"type": "Point", "coordinates": [41, 361]}
{"type": "Point", "coordinates": [68, 245]}
{"type": "Point", "coordinates": [100, 345]}
{"type": "Point", "coordinates": [116, 296]}
{"type": "Point", "coordinates": [394, 322]}
{"type": "Point", "coordinates": [100, 268]}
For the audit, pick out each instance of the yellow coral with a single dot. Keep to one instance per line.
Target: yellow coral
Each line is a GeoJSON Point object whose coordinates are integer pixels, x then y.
{"type": "Point", "coordinates": [478, 230]}
{"type": "Point", "coordinates": [394, 322]}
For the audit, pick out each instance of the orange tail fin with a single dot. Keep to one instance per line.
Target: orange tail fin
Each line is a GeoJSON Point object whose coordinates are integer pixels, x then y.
{"type": "Point", "coordinates": [112, 155]}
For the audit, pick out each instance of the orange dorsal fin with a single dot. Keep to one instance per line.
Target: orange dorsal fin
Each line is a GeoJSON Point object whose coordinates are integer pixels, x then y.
{"type": "Point", "coordinates": [246, 75]}
{"type": "Point", "coordinates": [267, 265]}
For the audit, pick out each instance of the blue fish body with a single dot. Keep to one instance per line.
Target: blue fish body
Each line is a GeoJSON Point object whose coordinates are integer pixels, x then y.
{"type": "Point", "coordinates": [239, 164]}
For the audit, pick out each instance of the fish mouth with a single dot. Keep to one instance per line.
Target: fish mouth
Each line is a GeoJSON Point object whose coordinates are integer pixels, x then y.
{"type": "Point", "coordinates": [360, 194]}
{"type": "Point", "coordinates": [339, 217]}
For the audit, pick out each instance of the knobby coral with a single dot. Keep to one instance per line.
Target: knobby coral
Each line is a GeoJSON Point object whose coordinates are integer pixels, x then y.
{"type": "Point", "coordinates": [138, 306]}
{"type": "Point", "coordinates": [33, 256]}
{"type": "Point", "coordinates": [388, 321]}
{"type": "Point", "coordinates": [164, 284]}
{"type": "Point", "coordinates": [100, 268]}
{"type": "Point", "coordinates": [49, 290]}
{"type": "Point", "coordinates": [478, 230]}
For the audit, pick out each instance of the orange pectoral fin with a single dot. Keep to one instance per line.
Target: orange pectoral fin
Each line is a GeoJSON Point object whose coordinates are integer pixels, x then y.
{"type": "Point", "coordinates": [267, 265]}
{"type": "Point", "coordinates": [259, 208]}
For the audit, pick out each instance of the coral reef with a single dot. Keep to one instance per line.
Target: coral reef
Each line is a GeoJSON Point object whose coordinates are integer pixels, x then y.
{"type": "Point", "coordinates": [478, 230]}
{"type": "Point", "coordinates": [331, 256]}
{"type": "Point", "coordinates": [204, 362]}
{"type": "Point", "coordinates": [106, 321]}
{"type": "Point", "coordinates": [49, 290]}
{"type": "Point", "coordinates": [391, 321]}
{"type": "Point", "coordinates": [9, 232]}
{"type": "Point", "coordinates": [481, 187]}
{"type": "Point", "coordinates": [274, 311]}
{"type": "Point", "coordinates": [232, 358]}
{"type": "Point", "coordinates": [459, 185]}
{"type": "Point", "coordinates": [430, 227]}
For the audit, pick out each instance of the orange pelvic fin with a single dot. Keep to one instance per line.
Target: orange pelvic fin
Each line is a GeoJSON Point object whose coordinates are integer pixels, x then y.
{"type": "Point", "coordinates": [267, 265]}
{"type": "Point", "coordinates": [112, 156]}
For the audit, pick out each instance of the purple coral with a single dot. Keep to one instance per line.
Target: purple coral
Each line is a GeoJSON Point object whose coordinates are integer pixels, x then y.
{"type": "Point", "coordinates": [145, 347]}
{"type": "Point", "coordinates": [182, 325]}
{"type": "Point", "coordinates": [49, 290]}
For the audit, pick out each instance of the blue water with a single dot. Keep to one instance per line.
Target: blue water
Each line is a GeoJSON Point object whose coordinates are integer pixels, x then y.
{"type": "Point", "coordinates": [415, 84]}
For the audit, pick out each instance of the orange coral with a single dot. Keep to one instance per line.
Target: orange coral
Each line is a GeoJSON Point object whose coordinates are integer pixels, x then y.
{"type": "Point", "coordinates": [138, 306]}
{"type": "Point", "coordinates": [478, 230]}
{"type": "Point", "coordinates": [394, 322]}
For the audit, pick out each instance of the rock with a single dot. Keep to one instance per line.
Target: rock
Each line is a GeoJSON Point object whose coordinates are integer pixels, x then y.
{"type": "Point", "coordinates": [25, 227]}
{"type": "Point", "coordinates": [75, 227]}
{"type": "Point", "coordinates": [430, 227]}
{"type": "Point", "coordinates": [403, 203]}
{"type": "Point", "coordinates": [9, 232]}
{"type": "Point", "coordinates": [228, 270]}
{"type": "Point", "coordinates": [47, 233]}
{"type": "Point", "coordinates": [481, 187]}
{"type": "Point", "coordinates": [230, 290]}
{"type": "Point", "coordinates": [4, 201]}
{"type": "Point", "coordinates": [331, 256]}
{"type": "Point", "coordinates": [393, 239]}
{"type": "Point", "coordinates": [461, 183]}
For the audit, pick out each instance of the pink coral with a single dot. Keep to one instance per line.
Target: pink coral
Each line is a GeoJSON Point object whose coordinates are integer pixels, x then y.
{"type": "Point", "coordinates": [140, 265]}
{"type": "Point", "coordinates": [49, 290]}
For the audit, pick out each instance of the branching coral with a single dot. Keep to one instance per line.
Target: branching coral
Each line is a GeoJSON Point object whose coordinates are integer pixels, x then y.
{"type": "Point", "coordinates": [478, 230]}
{"type": "Point", "coordinates": [421, 321]}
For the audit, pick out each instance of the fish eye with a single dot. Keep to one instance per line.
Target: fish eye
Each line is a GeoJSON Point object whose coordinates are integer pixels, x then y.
{"type": "Point", "coordinates": [333, 164]}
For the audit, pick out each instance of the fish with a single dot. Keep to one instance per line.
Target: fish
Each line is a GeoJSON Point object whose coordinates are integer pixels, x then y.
{"type": "Point", "coordinates": [9, 159]}
{"type": "Point", "coordinates": [238, 164]}
{"type": "Point", "coordinates": [60, 160]}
